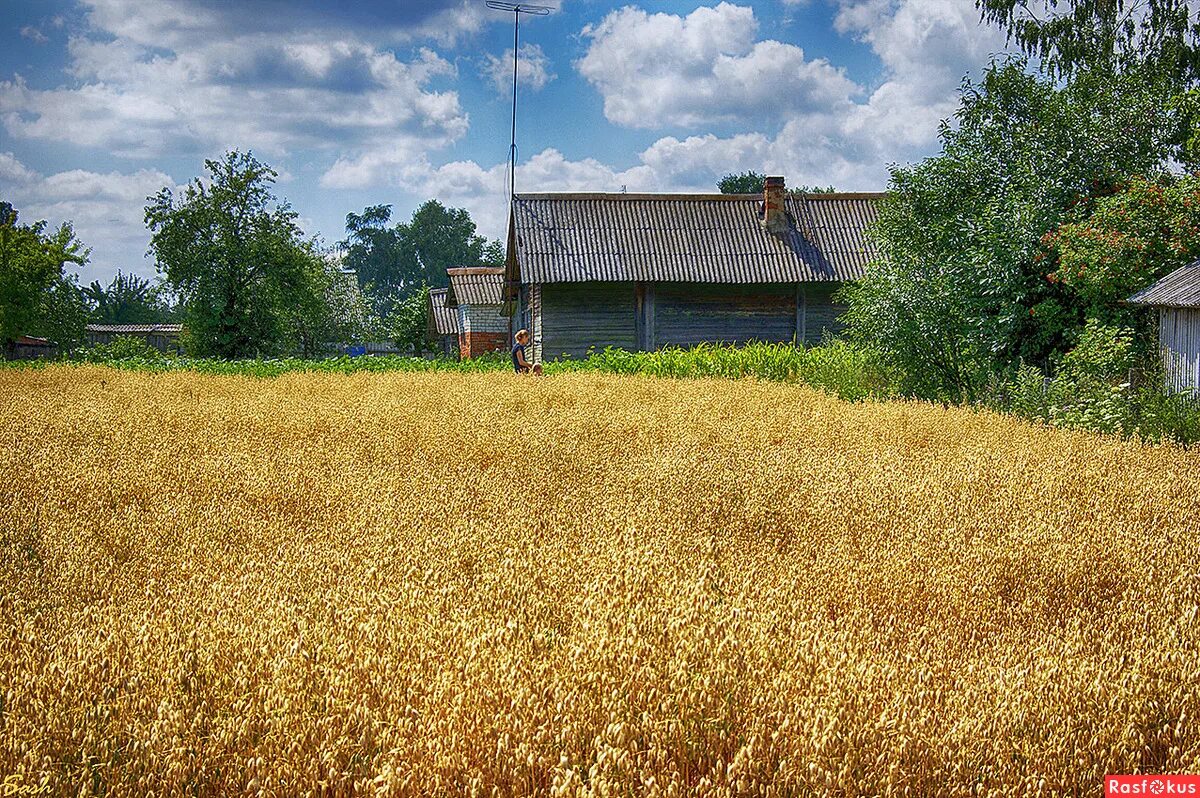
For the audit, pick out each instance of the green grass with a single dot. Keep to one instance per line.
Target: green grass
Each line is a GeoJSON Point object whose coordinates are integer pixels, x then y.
{"type": "Point", "coordinates": [274, 367]}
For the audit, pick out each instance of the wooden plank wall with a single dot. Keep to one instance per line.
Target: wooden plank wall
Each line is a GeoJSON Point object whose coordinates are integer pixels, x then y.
{"type": "Point", "coordinates": [686, 314]}
{"type": "Point", "coordinates": [821, 312]}
{"type": "Point", "coordinates": [576, 316]}
{"type": "Point", "coordinates": [536, 327]}
{"type": "Point", "coordinates": [1179, 339]}
{"type": "Point", "coordinates": [569, 318]}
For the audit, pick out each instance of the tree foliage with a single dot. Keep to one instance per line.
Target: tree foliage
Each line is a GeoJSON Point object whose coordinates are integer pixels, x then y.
{"type": "Point", "coordinates": [249, 282]}
{"type": "Point", "coordinates": [393, 263]}
{"type": "Point", "coordinates": [37, 297]}
{"type": "Point", "coordinates": [752, 183]}
{"type": "Point", "coordinates": [127, 299]}
{"type": "Point", "coordinates": [958, 293]}
{"type": "Point", "coordinates": [1111, 36]}
{"type": "Point", "coordinates": [408, 322]}
{"type": "Point", "coordinates": [1123, 242]}
{"type": "Point", "coordinates": [742, 183]}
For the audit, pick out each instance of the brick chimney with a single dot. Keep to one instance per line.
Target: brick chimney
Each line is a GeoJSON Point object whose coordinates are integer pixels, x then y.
{"type": "Point", "coordinates": [774, 216]}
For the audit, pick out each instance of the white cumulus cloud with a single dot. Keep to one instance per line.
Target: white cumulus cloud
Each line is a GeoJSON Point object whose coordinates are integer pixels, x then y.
{"type": "Point", "coordinates": [655, 70]}
{"type": "Point", "coordinates": [801, 118]}
{"type": "Point", "coordinates": [179, 78]}
{"type": "Point", "coordinates": [105, 210]}
{"type": "Point", "coordinates": [533, 69]}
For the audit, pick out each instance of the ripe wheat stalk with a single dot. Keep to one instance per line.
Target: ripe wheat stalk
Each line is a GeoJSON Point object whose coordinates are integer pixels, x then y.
{"type": "Point", "coordinates": [444, 584]}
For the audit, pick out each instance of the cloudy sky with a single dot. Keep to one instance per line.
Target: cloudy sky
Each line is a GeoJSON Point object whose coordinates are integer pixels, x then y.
{"type": "Point", "coordinates": [103, 102]}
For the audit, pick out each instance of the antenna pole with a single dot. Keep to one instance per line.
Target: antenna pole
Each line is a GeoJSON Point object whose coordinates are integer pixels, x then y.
{"type": "Point", "coordinates": [512, 149]}
{"type": "Point", "coordinates": [516, 9]}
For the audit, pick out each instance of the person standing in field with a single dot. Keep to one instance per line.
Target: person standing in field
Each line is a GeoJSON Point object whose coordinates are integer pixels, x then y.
{"type": "Point", "coordinates": [521, 363]}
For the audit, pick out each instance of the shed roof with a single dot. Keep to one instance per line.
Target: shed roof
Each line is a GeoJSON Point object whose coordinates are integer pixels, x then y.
{"type": "Point", "coordinates": [475, 285]}
{"type": "Point", "coordinates": [715, 238]}
{"type": "Point", "coordinates": [136, 329]}
{"type": "Point", "coordinates": [1179, 289]}
{"type": "Point", "coordinates": [442, 320]}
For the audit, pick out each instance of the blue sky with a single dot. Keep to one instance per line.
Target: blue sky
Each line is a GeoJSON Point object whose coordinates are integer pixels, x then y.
{"type": "Point", "coordinates": [103, 102]}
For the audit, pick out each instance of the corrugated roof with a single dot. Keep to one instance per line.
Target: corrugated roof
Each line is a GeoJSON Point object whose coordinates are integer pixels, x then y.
{"type": "Point", "coordinates": [1179, 289]}
{"type": "Point", "coordinates": [443, 320]}
{"type": "Point", "coordinates": [143, 329]}
{"type": "Point", "coordinates": [475, 285]}
{"type": "Point", "coordinates": [688, 237]}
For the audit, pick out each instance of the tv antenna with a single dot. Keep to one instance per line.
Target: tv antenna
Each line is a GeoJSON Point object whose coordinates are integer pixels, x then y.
{"type": "Point", "coordinates": [516, 9]}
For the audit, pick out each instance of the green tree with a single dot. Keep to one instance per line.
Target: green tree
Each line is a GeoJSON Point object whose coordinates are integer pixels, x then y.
{"type": "Point", "coordinates": [374, 250]}
{"type": "Point", "coordinates": [752, 183]}
{"type": "Point", "coordinates": [233, 254]}
{"type": "Point", "coordinates": [127, 299]}
{"type": "Point", "coordinates": [409, 321]}
{"type": "Point", "coordinates": [37, 297]}
{"type": "Point", "coordinates": [1076, 36]}
{"type": "Point", "coordinates": [493, 254]}
{"type": "Point", "coordinates": [438, 238]}
{"type": "Point", "coordinates": [742, 183]}
{"type": "Point", "coordinates": [332, 309]}
{"type": "Point", "coordinates": [1122, 243]}
{"type": "Point", "coordinates": [393, 263]}
{"type": "Point", "coordinates": [957, 293]}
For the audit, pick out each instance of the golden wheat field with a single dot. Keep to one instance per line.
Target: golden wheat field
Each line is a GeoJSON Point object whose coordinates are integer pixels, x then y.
{"type": "Point", "coordinates": [424, 584]}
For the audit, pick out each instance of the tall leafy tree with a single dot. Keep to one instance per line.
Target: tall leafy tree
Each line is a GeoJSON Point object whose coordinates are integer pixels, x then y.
{"type": "Point", "coordinates": [331, 310]}
{"type": "Point", "coordinates": [1121, 243]}
{"type": "Point", "coordinates": [393, 263]}
{"type": "Point", "coordinates": [37, 297]}
{"type": "Point", "coordinates": [233, 254]}
{"type": "Point", "coordinates": [127, 299]}
{"type": "Point", "coordinates": [373, 249]}
{"type": "Point", "coordinates": [958, 293]}
{"type": "Point", "coordinates": [1075, 36]}
{"type": "Point", "coordinates": [752, 183]}
{"type": "Point", "coordinates": [438, 238]}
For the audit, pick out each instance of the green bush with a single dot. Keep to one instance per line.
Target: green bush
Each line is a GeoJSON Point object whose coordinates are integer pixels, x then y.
{"type": "Point", "coordinates": [1168, 417]}
{"type": "Point", "coordinates": [849, 371]}
{"type": "Point", "coordinates": [122, 347]}
{"type": "Point", "coordinates": [1090, 388]}
{"type": "Point", "coordinates": [1093, 389]}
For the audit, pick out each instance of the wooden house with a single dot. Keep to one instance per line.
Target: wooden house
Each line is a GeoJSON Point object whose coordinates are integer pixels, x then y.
{"type": "Point", "coordinates": [28, 347]}
{"type": "Point", "coordinates": [163, 337]}
{"type": "Point", "coordinates": [645, 271]}
{"type": "Point", "coordinates": [443, 323]}
{"type": "Point", "coordinates": [1175, 300]}
{"type": "Point", "coordinates": [476, 294]}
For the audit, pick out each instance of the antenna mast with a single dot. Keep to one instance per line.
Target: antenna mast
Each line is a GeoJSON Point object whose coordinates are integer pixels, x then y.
{"type": "Point", "coordinates": [516, 9]}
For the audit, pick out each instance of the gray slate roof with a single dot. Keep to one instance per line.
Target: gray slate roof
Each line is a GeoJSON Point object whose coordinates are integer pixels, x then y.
{"type": "Point", "coordinates": [131, 329]}
{"type": "Point", "coordinates": [475, 285]}
{"type": "Point", "coordinates": [715, 238]}
{"type": "Point", "coordinates": [443, 320]}
{"type": "Point", "coordinates": [1179, 289]}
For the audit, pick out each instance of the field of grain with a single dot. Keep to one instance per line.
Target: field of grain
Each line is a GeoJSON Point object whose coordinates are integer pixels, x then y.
{"type": "Point", "coordinates": [444, 584]}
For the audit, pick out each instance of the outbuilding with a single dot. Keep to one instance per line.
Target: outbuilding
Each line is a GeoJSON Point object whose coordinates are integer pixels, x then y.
{"type": "Point", "coordinates": [645, 271]}
{"type": "Point", "coordinates": [443, 322]}
{"type": "Point", "coordinates": [29, 347]}
{"type": "Point", "coordinates": [476, 295]}
{"type": "Point", "coordinates": [163, 337]}
{"type": "Point", "coordinates": [1175, 300]}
